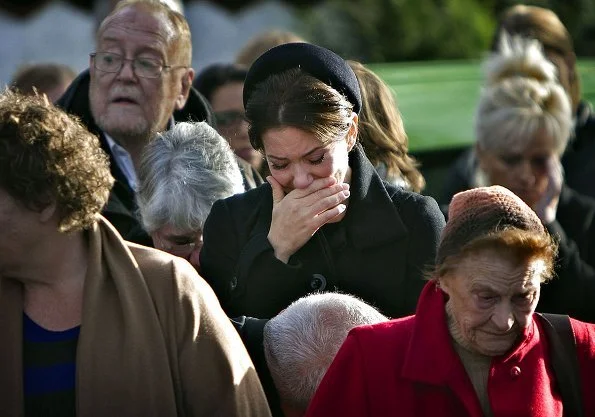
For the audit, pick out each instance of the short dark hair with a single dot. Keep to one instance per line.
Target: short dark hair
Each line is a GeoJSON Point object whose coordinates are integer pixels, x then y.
{"type": "Point", "coordinates": [41, 77]}
{"type": "Point", "coordinates": [49, 156]}
{"type": "Point", "coordinates": [262, 42]}
{"type": "Point", "coordinates": [217, 75]}
{"type": "Point", "coordinates": [296, 99]}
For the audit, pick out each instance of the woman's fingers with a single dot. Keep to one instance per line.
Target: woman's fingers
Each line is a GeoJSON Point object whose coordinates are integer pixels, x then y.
{"type": "Point", "coordinates": [298, 214]}
{"type": "Point", "coordinates": [317, 185]}
{"type": "Point", "coordinates": [323, 204]}
{"type": "Point", "coordinates": [328, 215]}
{"type": "Point", "coordinates": [278, 192]}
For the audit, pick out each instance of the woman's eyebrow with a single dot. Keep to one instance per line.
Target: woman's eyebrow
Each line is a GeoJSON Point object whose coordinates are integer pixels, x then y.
{"type": "Point", "coordinates": [304, 155]}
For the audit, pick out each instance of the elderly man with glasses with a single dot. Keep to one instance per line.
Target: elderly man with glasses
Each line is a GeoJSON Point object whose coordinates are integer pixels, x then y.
{"type": "Point", "coordinates": [139, 81]}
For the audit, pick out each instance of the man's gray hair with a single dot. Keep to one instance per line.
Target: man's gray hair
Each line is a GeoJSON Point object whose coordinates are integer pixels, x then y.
{"type": "Point", "coordinates": [102, 8]}
{"type": "Point", "coordinates": [183, 171]}
{"type": "Point", "coordinates": [301, 342]}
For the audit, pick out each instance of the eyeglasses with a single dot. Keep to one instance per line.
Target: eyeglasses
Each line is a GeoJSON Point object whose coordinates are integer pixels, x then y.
{"type": "Point", "coordinates": [142, 67]}
{"type": "Point", "coordinates": [229, 118]}
{"type": "Point", "coordinates": [180, 246]}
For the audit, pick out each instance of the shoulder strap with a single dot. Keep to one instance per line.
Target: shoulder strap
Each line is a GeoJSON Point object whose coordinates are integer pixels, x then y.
{"type": "Point", "coordinates": [564, 361]}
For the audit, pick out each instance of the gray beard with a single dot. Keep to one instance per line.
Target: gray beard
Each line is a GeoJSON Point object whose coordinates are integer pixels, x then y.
{"type": "Point", "coordinates": [130, 136]}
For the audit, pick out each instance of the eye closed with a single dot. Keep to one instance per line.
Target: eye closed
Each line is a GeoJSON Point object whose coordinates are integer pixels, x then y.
{"type": "Point", "coordinates": [318, 159]}
{"type": "Point", "coordinates": [524, 298]}
{"type": "Point", "coordinates": [313, 160]}
{"type": "Point", "coordinates": [277, 167]}
{"type": "Point", "coordinates": [513, 160]}
{"type": "Point", "coordinates": [486, 300]}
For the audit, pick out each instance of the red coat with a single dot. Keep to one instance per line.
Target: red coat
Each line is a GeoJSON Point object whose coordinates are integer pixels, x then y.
{"type": "Point", "coordinates": [408, 367]}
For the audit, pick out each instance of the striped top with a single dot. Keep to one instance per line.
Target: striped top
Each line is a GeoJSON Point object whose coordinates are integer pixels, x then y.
{"type": "Point", "coordinates": [49, 370]}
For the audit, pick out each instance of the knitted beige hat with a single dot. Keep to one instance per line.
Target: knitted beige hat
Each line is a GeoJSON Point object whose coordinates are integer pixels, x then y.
{"type": "Point", "coordinates": [480, 211]}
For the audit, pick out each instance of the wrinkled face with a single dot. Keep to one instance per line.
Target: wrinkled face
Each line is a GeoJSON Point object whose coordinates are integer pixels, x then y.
{"type": "Point", "coordinates": [228, 106]}
{"type": "Point", "coordinates": [491, 300]}
{"type": "Point", "coordinates": [124, 104]}
{"type": "Point", "coordinates": [186, 245]}
{"type": "Point", "coordinates": [522, 171]}
{"type": "Point", "coordinates": [296, 157]}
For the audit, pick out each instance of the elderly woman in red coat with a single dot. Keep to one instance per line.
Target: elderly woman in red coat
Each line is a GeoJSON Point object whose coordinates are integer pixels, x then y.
{"type": "Point", "coordinates": [475, 346]}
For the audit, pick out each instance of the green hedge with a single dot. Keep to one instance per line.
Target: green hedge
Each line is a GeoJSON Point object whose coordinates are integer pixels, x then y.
{"type": "Point", "coordinates": [405, 30]}
{"type": "Point", "coordinates": [400, 30]}
{"type": "Point", "coordinates": [437, 99]}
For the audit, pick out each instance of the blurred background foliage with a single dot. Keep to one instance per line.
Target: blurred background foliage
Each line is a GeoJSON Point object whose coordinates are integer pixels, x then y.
{"type": "Point", "coordinates": [406, 30]}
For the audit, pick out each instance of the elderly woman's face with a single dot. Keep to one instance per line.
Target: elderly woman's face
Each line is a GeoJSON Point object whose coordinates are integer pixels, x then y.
{"type": "Point", "coordinates": [491, 300]}
{"type": "Point", "coordinates": [186, 245]}
{"type": "Point", "coordinates": [296, 157]}
{"type": "Point", "coordinates": [525, 172]}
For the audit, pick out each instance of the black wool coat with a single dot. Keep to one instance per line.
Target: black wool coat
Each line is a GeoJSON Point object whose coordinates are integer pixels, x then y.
{"type": "Point", "coordinates": [378, 252]}
{"type": "Point", "coordinates": [572, 290]}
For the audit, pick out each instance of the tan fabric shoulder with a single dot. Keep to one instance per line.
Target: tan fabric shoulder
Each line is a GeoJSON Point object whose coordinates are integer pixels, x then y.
{"type": "Point", "coordinates": [210, 366]}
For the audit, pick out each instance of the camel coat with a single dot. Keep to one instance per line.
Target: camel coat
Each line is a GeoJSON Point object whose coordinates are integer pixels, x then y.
{"type": "Point", "coordinates": [153, 340]}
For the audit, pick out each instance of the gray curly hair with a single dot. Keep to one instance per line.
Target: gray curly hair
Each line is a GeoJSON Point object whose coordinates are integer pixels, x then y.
{"type": "Point", "coordinates": [183, 171]}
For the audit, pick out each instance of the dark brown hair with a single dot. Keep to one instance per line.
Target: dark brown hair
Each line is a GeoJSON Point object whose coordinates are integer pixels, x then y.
{"type": "Point", "coordinates": [381, 130]}
{"type": "Point", "coordinates": [262, 43]}
{"type": "Point", "coordinates": [42, 77]}
{"type": "Point", "coordinates": [294, 98]}
{"type": "Point", "coordinates": [48, 156]}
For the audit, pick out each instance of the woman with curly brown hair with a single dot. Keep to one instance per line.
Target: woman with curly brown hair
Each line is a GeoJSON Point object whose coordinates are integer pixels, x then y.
{"type": "Point", "coordinates": [92, 324]}
{"type": "Point", "coordinates": [382, 134]}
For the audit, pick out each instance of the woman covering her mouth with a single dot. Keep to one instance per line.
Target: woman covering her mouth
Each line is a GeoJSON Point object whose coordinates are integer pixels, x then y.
{"type": "Point", "coordinates": [325, 220]}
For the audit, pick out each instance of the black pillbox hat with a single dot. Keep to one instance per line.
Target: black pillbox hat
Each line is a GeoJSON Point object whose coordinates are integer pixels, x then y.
{"type": "Point", "coordinates": [319, 62]}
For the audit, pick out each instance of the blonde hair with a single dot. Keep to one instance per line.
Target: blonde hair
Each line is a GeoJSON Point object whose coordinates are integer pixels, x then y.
{"type": "Point", "coordinates": [381, 130]}
{"type": "Point", "coordinates": [521, 96]}
{"type": "Point", "coordinates": [546, 27]}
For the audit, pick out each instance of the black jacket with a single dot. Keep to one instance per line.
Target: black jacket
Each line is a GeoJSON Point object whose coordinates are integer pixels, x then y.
{"type": "Point", "coordinates": [121, 209]}
{"type": "Point", "coordinates": [578, 158]}
{"type": "Point", "coordinates": [577, 161]}
{"type": "Point", "coordinates": [572, 291]}
{"type": "Point", "coordinates": [379, 251]}
{"type": "Point", "coordinates": [251, 330]}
